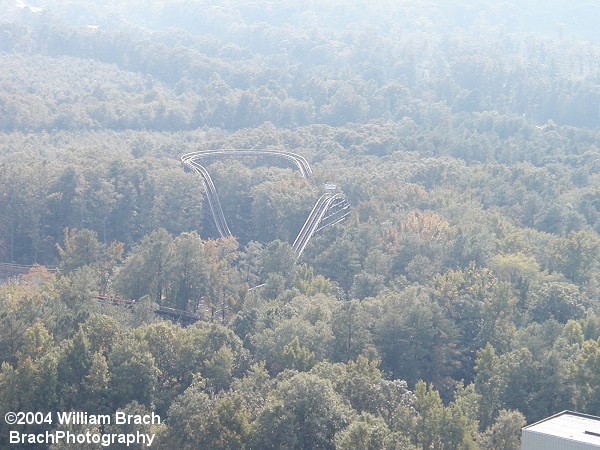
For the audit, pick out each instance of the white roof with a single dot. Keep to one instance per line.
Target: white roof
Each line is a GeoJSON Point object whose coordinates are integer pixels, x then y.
{"type": "Point", "coordinates": [571, 426]}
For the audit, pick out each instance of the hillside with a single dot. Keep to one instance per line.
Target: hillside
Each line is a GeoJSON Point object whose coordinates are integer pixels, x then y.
{"type": "Point", "coordinates": [457, 303]}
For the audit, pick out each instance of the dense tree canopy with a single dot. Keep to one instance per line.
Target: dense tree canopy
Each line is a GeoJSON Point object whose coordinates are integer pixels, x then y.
{"type": "Point", "coordinates": [457, 303]}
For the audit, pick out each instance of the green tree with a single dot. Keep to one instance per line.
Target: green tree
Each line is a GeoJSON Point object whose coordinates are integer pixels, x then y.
{"type": "Point", "coordinates": [65, 203]}
{"type": "Point", "coordinates": [270, 341]}
{"type": "Point", "coordinates": [302, 412]}
{"type": "Point", "coordinates": [198, 419]}
{"type": "Point", "coordinates": [22, 208]}
{"type": "Point", "coordinates": [414, 338]}
{"type": "Point", "coordinates": [212, 350]}
{"type": "Point", "coordinates": [505, 433]}
{"type": "Point", "coordinates": [431, 418]}
{"type": "Point", "coordinates": [74, 365]}
{"type": "Point", "coordinates": [486, 367]}
{"type": "Point", "coordinates": [296, 357]}
{"type": "Point", "coordinates": [366, 285]}
{"type": "Point", "coordinates": [146, 269]}
{"type": "Point", "coordinates": [20, 308]}
{"type": "Point", "coordinates": [130, 360]}
{"type": "Point", "coordinates": [30, 385]}
{"type": "Point", "coordinates": [279, 257]}
{"type": "Point", "coordinates": [361, 383]}
{"type": "Point", "coordinates": [80, 249]}
{"type": "Point", "coordinates": [576, 256]}
{"type": "Point", "coordinates": [435, 426]}
{"type": "Point", "coordinates": [135, 409]}
{"type": "Point", "coordinates": [102, 332]}
{"type": "Point", "coordinates": [95, 397]}
{"type": "Point", "coordinates": [222, 277]}
{"type": "Point", "coordinates": [340, 261]}
{"type": "Point", "coordinates": [350, 326]}
{"type": "Point", "coordinates": [366, 432]}
{"type": "Point", "coordinates": [178, 205]}
{"type": "Point", "coordinates": [187, 272]}
{"type": "Point", "coordinates": [585, 375]}
{"type": "Point", "coordinates": [556, 300]}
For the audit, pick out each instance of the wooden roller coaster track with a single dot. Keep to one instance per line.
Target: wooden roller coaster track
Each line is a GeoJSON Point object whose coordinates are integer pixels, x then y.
{"type": "Point", "coordinates": [328, 210]}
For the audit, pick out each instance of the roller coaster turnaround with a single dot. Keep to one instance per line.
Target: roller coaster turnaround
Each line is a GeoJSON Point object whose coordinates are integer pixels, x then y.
{"type": "Point", "coordinates": [330, 208]}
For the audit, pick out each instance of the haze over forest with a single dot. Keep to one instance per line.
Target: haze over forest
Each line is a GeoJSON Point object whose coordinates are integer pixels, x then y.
{"type": "Point", "coordinates": [457, 303]}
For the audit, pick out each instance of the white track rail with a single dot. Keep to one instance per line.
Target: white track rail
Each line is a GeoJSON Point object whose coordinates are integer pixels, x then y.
{"type": "Point", "coordinates": [329, 209]}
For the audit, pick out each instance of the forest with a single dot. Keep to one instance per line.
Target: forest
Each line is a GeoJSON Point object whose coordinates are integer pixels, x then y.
{"type": "Point", "coordinates": [458, 302]}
